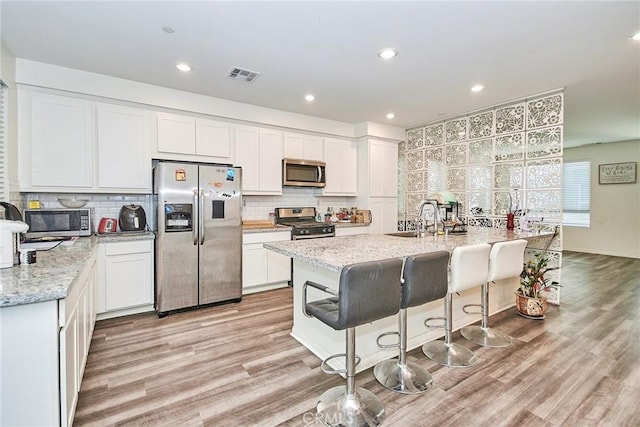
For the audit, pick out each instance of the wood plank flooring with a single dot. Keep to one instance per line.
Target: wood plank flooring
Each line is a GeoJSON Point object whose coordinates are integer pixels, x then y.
{"type": "Point", "coordinates": [236, 365]}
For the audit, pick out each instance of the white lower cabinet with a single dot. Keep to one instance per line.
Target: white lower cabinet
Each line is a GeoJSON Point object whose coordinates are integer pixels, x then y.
{"type": "Point", "coordinates": [263, 269]}
{"type": "Point", "coordinates": [125, 278]}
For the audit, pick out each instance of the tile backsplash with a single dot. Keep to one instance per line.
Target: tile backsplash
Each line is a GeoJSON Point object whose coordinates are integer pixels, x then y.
{"type": "Point", "coordinates": [254, 207]}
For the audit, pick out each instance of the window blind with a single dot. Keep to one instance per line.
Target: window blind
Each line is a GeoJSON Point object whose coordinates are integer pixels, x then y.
{"type": "Point", "coordinates": [4, 166]}
{"type": "Point", "coordinates": [576, 193]}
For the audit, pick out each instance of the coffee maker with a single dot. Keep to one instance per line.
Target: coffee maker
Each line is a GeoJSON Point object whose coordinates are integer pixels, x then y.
{"type": "Point", "coordinates": [10, 229]}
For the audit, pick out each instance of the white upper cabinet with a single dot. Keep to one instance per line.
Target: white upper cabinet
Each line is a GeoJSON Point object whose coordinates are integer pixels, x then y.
{"type": "Point", "coordinates": [189, 138]}
{"type": "Point", "coordinates": [306, 147]}
{"type": "Point", "coordinates": [56, 142]}
{"type": "Point", "coordinates": [383, 167]}
{"type": "Point", "coordinates": [176, 134]}
{"type": "Point", "coordinates": [123, 148]}
{"type": "Point", "coordinates": [341, 157]}
{"type": "Point", "coordinates": [259, 152]}
{"type": "Point", "coordinates": [75, 145]}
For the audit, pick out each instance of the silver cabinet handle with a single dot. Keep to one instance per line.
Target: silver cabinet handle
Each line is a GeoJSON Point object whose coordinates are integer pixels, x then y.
{"type": "Point", "coordinates": [201, 217]}
{"type": "Point", "coordinates": [194, 220]}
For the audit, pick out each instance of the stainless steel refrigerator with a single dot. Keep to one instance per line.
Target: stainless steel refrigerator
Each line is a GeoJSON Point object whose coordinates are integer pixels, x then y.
{"type": "Point", "coordinates": [199, 235]}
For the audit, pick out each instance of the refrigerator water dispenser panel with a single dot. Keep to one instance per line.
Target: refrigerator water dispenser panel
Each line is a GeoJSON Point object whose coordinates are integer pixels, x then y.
{"type": "Point", "coordinates": [217, 209]}
{"type": "Point", "coordinates": [178, 217]}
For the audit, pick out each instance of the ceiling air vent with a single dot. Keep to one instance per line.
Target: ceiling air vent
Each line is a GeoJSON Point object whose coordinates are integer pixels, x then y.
{"type": "Point", "coordinates": [243, 75]}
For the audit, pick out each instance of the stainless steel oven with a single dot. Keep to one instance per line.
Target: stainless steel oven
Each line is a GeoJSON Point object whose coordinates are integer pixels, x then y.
{"type": "Point", "coordinates": [303, 224]}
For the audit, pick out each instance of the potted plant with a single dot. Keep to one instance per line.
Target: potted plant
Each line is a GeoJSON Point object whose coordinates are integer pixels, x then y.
{"type": "Point", "coordinates": [531, 295]}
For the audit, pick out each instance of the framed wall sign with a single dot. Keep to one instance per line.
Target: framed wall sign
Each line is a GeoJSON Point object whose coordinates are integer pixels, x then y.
{"type": "Point", "coordinates": [617, 173]}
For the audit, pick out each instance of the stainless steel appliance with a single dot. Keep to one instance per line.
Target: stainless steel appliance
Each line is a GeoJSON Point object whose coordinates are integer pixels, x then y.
{"type": "Point", "coordinates": [303, 223]}
{"type": "Point", "coordinates": [303, 173]}
{"type": "Point", "coordinates": [132, 218]}
{"type": "Point", "coordinates": [57, 222]}
{"type": "Point", "coordinates": [199, 235]}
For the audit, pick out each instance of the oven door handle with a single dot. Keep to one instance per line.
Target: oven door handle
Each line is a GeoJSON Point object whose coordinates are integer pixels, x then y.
{"type": "Point", "coordinates": [313, 236]}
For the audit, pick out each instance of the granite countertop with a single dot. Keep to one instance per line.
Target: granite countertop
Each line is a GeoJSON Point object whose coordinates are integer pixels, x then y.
{"type": "Point", "coordinates": [49, 278]}
{"type": "Point", "coordinates": [126, 236]}
{"type": "Point", "coordinates": [335, 253]}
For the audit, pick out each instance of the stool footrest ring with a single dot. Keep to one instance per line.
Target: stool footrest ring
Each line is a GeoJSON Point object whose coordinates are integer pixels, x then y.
{"type": "Point", "coordinates": [386, 334]}
{"type": "Point", "coordinates": [324, 367]}
{"type": "Point", "coordinates": [464, 308]}
{"type": "Point", "coordinates": [430, 319]}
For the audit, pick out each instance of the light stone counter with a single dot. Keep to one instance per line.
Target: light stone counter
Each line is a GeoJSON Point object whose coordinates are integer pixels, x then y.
{"type": "Point", "coordinates": [55, 269]}
{"type": "Point", "coordinates": [321, 260]}
{"type": "Point", "coordinates": [49, 278]}
{"type": "Point", "coordinates": [335, 253]}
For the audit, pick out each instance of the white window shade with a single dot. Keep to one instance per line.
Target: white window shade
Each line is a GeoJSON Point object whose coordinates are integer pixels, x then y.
{"type": "Point", "coordinates": [4, 161]}
{"type": "Point", "coordinates": [576, 193]}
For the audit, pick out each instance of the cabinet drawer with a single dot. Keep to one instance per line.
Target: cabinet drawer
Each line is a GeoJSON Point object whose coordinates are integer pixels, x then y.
{"type": "Point", "coordinates": [278, 236]}
{"type": "Point", "coordinates": [121, 248]}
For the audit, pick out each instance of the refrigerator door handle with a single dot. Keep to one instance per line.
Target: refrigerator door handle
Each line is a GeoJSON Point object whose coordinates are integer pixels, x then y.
{"type": "Point", "coordinates": [196, 220]}
{"type": "Point", "coordinates": [201, 215]}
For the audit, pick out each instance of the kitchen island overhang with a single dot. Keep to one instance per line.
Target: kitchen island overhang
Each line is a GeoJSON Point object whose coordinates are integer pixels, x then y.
{"type": "Point", "coordinates": [321, 261]}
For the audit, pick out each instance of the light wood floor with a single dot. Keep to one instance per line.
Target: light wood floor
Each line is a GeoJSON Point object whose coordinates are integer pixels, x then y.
{"type": "Point", "coordinates": [236, 365]}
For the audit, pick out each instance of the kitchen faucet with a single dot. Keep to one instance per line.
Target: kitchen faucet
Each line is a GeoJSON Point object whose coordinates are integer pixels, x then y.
{"type": "Point", "coordinates": [436, 215]}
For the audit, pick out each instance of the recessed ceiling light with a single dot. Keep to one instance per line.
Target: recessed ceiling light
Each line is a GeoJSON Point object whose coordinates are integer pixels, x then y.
{"type": "Point", "coordinates": [310, 98]}
{"type": "Point", "coordinates": [183, 67]}
{"type": "Point", "coordinates": [168, 30]}
{"type": "Point", "coordinates": [388, 53]}
{"type": "Point", "coordinates": [476, 88]}
{"type": "Point", "coordinates": [636, 36]}
{"type": "Point", "coordinates": [390, 116]}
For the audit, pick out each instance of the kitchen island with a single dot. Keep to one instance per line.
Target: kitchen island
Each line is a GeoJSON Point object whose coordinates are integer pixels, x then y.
{"type": "Point", "coordinates": [321, 260]}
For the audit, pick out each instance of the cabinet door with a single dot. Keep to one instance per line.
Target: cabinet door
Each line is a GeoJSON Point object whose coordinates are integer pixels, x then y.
{"type": "Point", "coordinates": [383, 169]}
{"type": "Point", "coordinates": [124, 159]}
{"type": "Point", "coordinates": [341, 158]}
{"type": "Point", "coordinates": [313, 149]}
{"type": "Point", "coordinates": [69, 368]}
{"type": "Point", "coordinates": [294, 145]}
{"type": "Point", "coordinates": [247, 155]}
{"type": "Point", "coordinates": [278, 268]}
{"type": "Point", "coordinates": [213, 139]}
{"type": "Point", "coordinates": [128, 280]}
{"type": "Point", "coordinates": [176, 134]}
{"type": "Point", "coordinates": [254, 265]}
{"type": "Point", "coordinates": [270, 161]}
{"type": "Point", "coordinates": [384, 213]}
{"type": "Point", "coordinates": [61, 142]}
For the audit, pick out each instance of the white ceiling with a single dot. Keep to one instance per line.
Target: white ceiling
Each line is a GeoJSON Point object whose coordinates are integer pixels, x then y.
{"type": "Point", "coordinates": [515, 49]}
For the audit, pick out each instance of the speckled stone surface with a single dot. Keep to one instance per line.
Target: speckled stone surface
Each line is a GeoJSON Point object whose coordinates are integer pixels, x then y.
{"type": "Point", "coordinates": [126, 236]}
{"type": "Point", "coordinates": [338, 252]}
{"type": "Point", "coordinates": [49, 278]}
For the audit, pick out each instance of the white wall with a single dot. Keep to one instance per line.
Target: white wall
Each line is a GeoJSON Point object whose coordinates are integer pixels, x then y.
{"type": "Point", "coordinates": [615, 208]}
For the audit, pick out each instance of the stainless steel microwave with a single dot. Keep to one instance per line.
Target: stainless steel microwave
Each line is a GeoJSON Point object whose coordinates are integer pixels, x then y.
{"type": "Point", "coordinates": [303, 173]}
{"type": "Point", "coordinates": [57, 222]}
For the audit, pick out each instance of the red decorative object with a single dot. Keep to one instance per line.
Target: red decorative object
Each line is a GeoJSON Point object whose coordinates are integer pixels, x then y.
{"type": "Point", "coordinates": [510, 221]}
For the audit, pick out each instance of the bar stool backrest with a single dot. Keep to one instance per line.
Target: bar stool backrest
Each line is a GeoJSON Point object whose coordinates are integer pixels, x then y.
{"type": "Point", "coordinates": [506, 259]}
{"type": "Point", "coordinates": [469, 267]}
{"type": "Point", "coordinates": [368, 291]}
{"type": "Point", "coordinates": [425, 278]}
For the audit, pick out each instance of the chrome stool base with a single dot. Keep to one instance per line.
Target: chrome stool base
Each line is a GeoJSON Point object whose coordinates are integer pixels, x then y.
{"type": "Point", "coordinates": [485, 337]}
{"type": "Point", "coordinates": [363, 409]}
{"type": "Point", "coordinates": [408, 379]}
{"type": "Point", "coordinates": [451, 355]}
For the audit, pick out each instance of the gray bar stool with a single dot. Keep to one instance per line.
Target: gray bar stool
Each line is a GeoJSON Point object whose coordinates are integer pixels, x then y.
{"type": "Point", "coordinates": [469, 268]}
{"type": "Point", "coordinates": [424, 280]}
{"type": "Point", "coordinates": [367, 292]}
{"type": "Point", "coordinates": [505, 261]}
